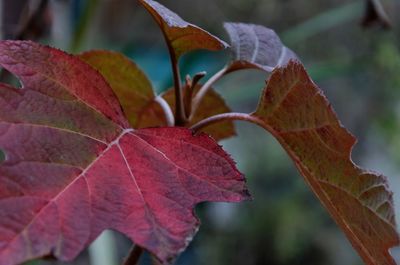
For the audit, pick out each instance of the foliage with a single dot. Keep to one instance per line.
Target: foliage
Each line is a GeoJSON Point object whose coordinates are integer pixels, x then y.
{"type": "Point", "coordinates": [78, 157]}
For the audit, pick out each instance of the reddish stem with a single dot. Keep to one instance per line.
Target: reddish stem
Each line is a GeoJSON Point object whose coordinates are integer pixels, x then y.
{"type": "Point", "coordinates": [227, 116]}
{"type": "Point", "coordinates": [180, 116]}
{"type": "Point", "coordinates": [169, 115]}
{"type": "Point", "coordinates": [207, 86]}
{"type": "Point", "coordinates": [187, 95]}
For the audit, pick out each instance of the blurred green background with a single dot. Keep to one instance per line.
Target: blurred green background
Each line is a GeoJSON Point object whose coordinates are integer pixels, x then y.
{"type": "Point", "coordinates": [356, 67]}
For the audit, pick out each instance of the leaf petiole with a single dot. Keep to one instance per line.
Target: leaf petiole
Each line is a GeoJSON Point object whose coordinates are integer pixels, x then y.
{"type": "Point", "coordinates": [169, 115]}
{"type": "Point", "coordinates": [197, 77]}
{"type": "Point", "coordinates": [188, 93]}
{"type": "Point", "coordinates": [180, 116]}
{"type": "Point", "coordinates": [227, 116]}
{"type": "Point", "coordinates": [206, 87]}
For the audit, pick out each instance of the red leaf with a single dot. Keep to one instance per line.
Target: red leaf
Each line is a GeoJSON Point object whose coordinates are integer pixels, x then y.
{"type": "Point", "coordinates": [180, 35]}
{"type": "Point", "coordinates": [73, 166]}
{"type": "Point", "coordinates": [255, 46]}
{"type": "Point", "coordinates": [297, 113]}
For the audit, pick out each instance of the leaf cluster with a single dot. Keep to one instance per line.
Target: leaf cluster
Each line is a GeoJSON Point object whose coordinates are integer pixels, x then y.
{"type": "Point", "coordinates": [87, 146]}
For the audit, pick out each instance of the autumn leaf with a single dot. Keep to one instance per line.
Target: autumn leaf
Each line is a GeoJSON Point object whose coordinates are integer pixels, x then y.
{"type": "Point", "coordinates": [74, 167]}
{"type": "Point", "coordinates": [297, 113]}
{"type": "Point", "coordinates": [132, 87]}
{"type": "Point", "coordinates": [127, 80]}
{"type": "Point", "coordinates": [181, 36]}
{"type": "Point", "coordinates": [255, 46]}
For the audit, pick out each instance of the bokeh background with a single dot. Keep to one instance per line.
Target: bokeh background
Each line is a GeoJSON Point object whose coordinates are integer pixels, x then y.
{"type": "Point", "coordinates": [356, 67]}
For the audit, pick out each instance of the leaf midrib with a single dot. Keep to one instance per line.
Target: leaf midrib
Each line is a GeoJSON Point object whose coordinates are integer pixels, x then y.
{"type": "Point", "coordinates": [110, 145]}
{"type": "Point", "coordinates": [33, 69]}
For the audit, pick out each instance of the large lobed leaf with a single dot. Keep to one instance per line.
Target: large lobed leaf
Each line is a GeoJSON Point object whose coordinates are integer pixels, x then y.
{"type": "Point", "coordinates": [180, 35]}
{"type": "Point", "coordinates": [73, 166]}
{"type": "Point", "coordinates": [297, 113]}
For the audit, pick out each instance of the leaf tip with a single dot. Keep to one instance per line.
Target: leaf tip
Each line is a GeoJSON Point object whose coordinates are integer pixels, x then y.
{"type": "Point", "coordinates": [256, 46]}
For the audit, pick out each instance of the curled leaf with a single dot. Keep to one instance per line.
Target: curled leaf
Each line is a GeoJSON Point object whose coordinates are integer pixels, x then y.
{"type": "Point", "coordinates": [297, 113]}
{"type": "Point", "coordinates": [181, 36]}
{"type": "Point", "coordinates": [73, 167]}
{"type": "Point", "coordinates": [255, 46]}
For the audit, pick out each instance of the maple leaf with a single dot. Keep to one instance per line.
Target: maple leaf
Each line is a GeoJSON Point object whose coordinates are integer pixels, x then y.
{"type": "Point", "coordinates": [74, 167]}
{"type": "Point", "coordinates": [255, 46]}
{"type": "Point", "coordinates": [181, 36]}
{"type": "Point", "coordinates": [296, 112]}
